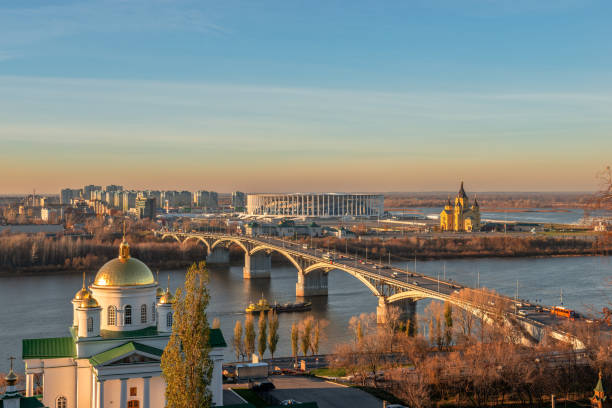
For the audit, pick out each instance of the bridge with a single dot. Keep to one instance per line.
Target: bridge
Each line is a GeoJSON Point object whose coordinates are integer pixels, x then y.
{"type": "Point", "coordinates": [392, 286]}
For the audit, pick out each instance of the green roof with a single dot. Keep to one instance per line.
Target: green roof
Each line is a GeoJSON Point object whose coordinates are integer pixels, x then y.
{"type": "Point", "coordinates": [216, 338]}
{"type": "Point", "coordinates": [124, 349]}
{"type": "Point", "coordinates": [56, 347]}
{"type": "Point", "coordinates": [27, 402]}
{"type": "Point", "coordinates": [113, 334]}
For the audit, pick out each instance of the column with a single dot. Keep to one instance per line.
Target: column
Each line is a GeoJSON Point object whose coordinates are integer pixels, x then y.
{"type": "Point", "coordinates": [94, 391]}
{"type": "Point", "coordinates": [29, 385]}
{"type": "Point", "coordinates": [123, 398]}
{"type": "Point", "coordinates": [145, 396]}
{"type": "Point", "coordinates": [101, 393]}
{"type": "Point", "coordinates": [313, 283]}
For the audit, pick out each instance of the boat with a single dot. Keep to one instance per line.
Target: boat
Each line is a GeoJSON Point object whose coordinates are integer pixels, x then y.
{"type": "Point", "coordinates": [261, 306]}
{"type": "Point", "coordinates": [292, 307]}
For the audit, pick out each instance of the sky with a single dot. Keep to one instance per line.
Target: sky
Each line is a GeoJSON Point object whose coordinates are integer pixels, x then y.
{"type": "Point", "coordinates": [284, 96]}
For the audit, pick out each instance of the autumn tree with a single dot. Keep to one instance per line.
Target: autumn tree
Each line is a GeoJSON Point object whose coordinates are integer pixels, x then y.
{"type": "Point", "coordinates": [305, 333]}
{"type": "Point", "coordinates": [273, 332]}
{"type": "Point", "coordinates": [186, 365]}
{"type": "Point", "coordinates": [263, 335]}
{"type": "Point", "coordinates": [295, 335]}
{"type": "Point", "coordinates": [238, 342]}
{"type": "Point", "coordinates": [249, 336]}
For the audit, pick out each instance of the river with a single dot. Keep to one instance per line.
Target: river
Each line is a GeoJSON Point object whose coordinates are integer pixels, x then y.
{"type": "Point", "coordinates": [39, 306]}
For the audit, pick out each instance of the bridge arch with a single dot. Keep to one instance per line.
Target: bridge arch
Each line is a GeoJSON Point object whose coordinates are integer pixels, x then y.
{"type": "Point", "coordinates": [198, 238]}
{"type": "Point", "coordinates": [327, 267]}
{"type": "Point", "coordinates": [173, 236]}
{"type": "Point", "coordinates": [291, 259]}
{"type": "Point", "coordinates": [232, 240]}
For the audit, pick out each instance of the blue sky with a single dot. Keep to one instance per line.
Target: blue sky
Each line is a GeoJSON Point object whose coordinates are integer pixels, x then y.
{"type": "Point", "coordinates": [289, 95]}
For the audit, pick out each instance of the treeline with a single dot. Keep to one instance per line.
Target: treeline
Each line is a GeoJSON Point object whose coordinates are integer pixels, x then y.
{"type": "Point", "coordinates": [458, 359]}
{"type": "Point", "coordinates": [305, 336]}
{"type": "Point", "coordinates": [41, 253]}
{"type": "Point", "coordinates": [492, 200]}
{"type": "Point", "coordinates": [468, 246]}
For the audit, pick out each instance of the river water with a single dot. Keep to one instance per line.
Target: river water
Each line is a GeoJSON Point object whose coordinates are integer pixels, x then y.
{"type": "Point", "coordinates": [39, 306]}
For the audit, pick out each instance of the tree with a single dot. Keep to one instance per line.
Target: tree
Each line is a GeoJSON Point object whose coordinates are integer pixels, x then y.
{"type": "Point", "coordinates": [273, 332]}
{"type": "Point", "coordinates": [186, 365]}
{"type": "Point", "coordinates": [306, 333]}
{"type": "Point", "coordinates": [448, 324]}
{"type": "Point", "coordinates": [314, 343]}
{"type": "Point", "coordinates": [249, 336]}
{"type": "Point", "coordinates": [263, 336]}
{"type": "Point", "coordinates": [238, 343]}
{"type": "Point", "coordinates": [295, 335]}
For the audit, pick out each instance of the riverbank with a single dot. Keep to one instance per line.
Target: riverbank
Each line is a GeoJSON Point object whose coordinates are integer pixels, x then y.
{"type": "Point", "coordinates": [433, 247]}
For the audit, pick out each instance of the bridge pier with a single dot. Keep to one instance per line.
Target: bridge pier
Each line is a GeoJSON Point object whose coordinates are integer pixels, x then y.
{"type": "Point", "coordinates": [257, 265]}
{"type": "Point", "coordinates": [219, 255]}
{"type": "Point", "coordinates": [311, 284]}
{"type": "Point", "coordinates": [407, 310]}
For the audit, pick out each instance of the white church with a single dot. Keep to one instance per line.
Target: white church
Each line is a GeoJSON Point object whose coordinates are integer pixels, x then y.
{"type": "Point", "coordinates": [120, 327]}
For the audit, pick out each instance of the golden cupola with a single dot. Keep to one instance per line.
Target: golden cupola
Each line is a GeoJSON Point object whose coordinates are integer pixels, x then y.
{"type": "Point", "coordinates": [83, 293]}
{"type": "Point", "coordinates": [166, 298]}
{"type": "Point", "coordinates": [124, 270]}
{"type": "Point", "coordinates": [89, 303]}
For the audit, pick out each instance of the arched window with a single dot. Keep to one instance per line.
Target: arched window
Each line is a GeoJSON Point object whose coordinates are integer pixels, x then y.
{"type": "Point", "coordinates": [153, 312]}
{"type": "Point", "coordinates": [169, 319]}
{"type": "Point", "coordinates": [128, 315]}
{"type": "Point", "coordinates": [89, 324]}
{"type": "Point", "coordinates": [111, 316]}
{"type": "Point", "coordinates": [61, 402]}
{"type": "Point", "coordinates": [143, 314]}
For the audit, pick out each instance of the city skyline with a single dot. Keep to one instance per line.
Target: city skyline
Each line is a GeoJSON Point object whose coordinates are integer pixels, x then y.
{"type": "Point", "coordinates": [508, 96]}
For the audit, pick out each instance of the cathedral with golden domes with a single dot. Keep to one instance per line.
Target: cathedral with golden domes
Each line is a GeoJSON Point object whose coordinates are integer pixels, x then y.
{"type": "Point", "coordinates": [120, 327]}
{"type": "Point", "coordinates": [461, 217]}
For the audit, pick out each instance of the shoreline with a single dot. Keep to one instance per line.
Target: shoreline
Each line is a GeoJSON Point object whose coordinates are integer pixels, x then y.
{"type": "Point", "coordinates": [57, 271]}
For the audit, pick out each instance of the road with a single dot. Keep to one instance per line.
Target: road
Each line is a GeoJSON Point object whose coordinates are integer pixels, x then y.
{"type": "Point", "coordinates": [325, 394]}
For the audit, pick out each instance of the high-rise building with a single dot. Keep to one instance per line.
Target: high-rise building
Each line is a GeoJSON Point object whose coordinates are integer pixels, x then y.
{"type": "Point", "coordinates": [206, 199]}
{"type": "Point", "coordinates": [114, 187]}
{"type": "Point", "coordinates": [238, 200]}
{"type": "Point", "coordinates": [129, 200]}
{"type": "Point", "coordinates": [146, 207]}
{"type": "Point", "coordinates": [88, 189]}
{"type": "Point", "coordinates": [67, 194]}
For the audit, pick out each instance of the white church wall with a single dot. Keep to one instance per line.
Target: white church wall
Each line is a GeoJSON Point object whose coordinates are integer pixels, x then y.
{"type": "Point", "coordinates": [57, 374]}
{"type": "Point", "coordinates": [84, 382]}
{"type": "Point", "coordinates": [121, 297]}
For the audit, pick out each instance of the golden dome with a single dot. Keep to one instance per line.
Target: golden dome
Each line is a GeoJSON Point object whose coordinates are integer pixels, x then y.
{"type": "Point", "coordinates": [159, 292]}
{"type": "Point", "coordinates": [129, 272]}
{"type": "Point", "coordinates": [167, 298]}
{"type": "Point", "coordinates": [89, 303]}
{"type": "Point", "coordinates": [83, 293]}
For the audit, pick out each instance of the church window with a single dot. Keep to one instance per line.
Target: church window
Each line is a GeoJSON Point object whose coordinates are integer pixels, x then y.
{"type": "Point", "coordinates": [89, 324]}
{"type": "Point", "coordinates": [133, 391]}
{"type": "Point", "coordinates": [169, 320]}
{"type": "Point", "coordinates": [128, 315]}
{"type": "Point", "coordinates": [143, 314]}
{"type": "Point", "coordinates": [134, 404]}
{"type": "Point", "coordinates": [61, 402]}
{"type": "Point", "coordinates": [111, 316]}
{"type": "Point", "coordinates": [153, 312]}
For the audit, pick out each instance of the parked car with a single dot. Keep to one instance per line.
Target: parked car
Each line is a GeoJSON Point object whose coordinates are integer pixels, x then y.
{"type": "Point", "coordinates": [290, 402]}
